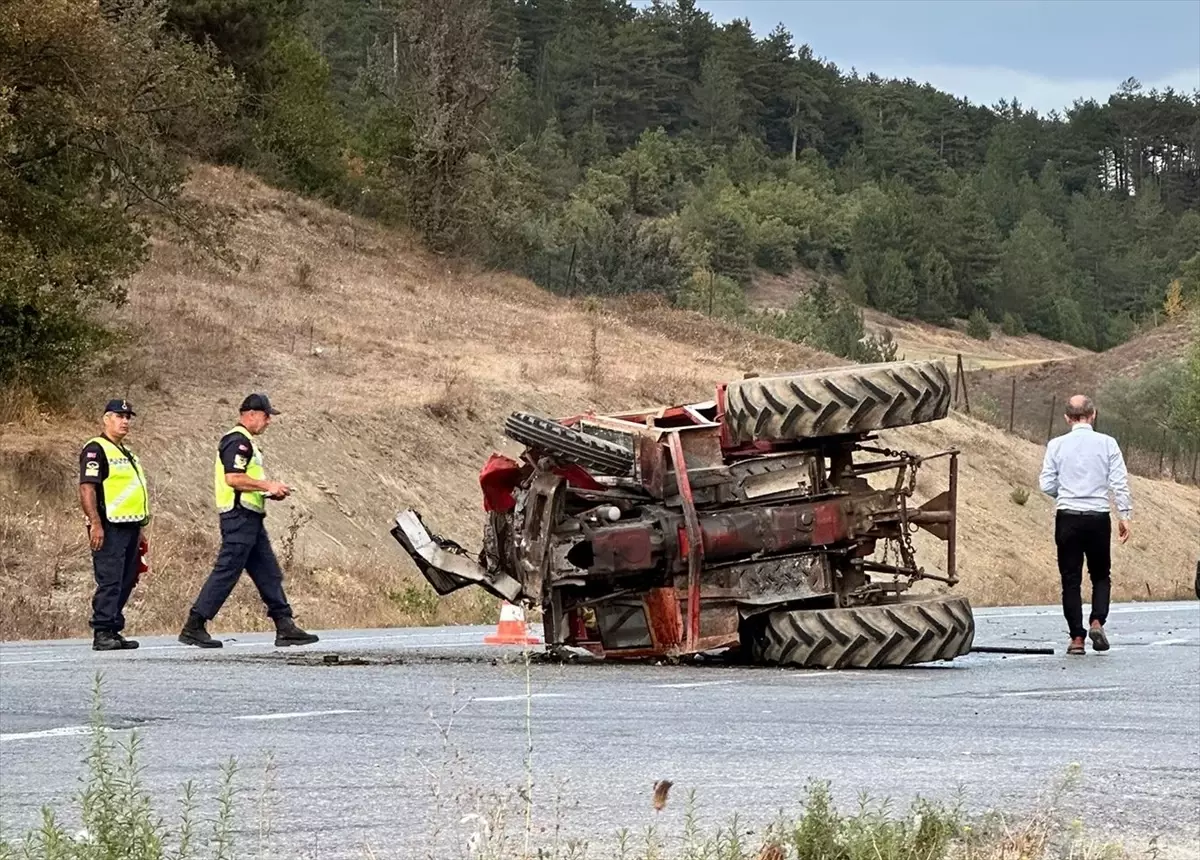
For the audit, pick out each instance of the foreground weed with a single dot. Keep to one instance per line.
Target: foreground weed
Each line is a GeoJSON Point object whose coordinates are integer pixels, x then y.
{"type": "Point", "coordinates": [116, 817]}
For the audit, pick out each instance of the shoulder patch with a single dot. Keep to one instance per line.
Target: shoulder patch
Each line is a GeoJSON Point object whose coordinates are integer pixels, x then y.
{"type": "Point", "coordinates": [243, 447]}
{"type": "Point", "coordinates": [91, 455]}
{"type": "Point", "coordinates": [92, 469]}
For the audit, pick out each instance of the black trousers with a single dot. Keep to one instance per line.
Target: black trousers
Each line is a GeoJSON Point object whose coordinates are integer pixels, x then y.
{"type": "Point", "coordinates": [115, 567]}
{"type": "Point", "coordinates": [1078, 536]}
{"type": "Point", "coordinates": [244, 546]}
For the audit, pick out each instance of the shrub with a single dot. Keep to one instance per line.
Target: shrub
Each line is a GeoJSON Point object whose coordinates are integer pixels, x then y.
{"type": "Point", "coordinates": [774, 246]}
{"type": "Point", "coordinates": [712, 294]}
{"type": "Point", "coordinates": [834, 324]}
{"type": "Point", "coordinates": [1012, 325]}
{"type": "Point", "coordinates": [978, 326]}
{"type": "Point", "coordinates": [1019, 496]}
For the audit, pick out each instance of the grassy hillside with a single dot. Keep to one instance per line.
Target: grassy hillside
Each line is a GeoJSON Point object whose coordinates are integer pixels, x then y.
{"type": "Point", "coordinates": [916, 339]}
{"type": "Point", "coordinates": [394, 369]}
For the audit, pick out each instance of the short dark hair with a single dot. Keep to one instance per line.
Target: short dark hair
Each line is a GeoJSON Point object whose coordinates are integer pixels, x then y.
{"type": "Point", "coordinates": [1084, 409]}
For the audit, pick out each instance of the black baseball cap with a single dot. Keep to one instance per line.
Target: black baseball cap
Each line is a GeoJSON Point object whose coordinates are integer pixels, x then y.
{"type": "Point", "coordinates": [258, 402]}
{"type": "Point", "coordinates": [121, 407]}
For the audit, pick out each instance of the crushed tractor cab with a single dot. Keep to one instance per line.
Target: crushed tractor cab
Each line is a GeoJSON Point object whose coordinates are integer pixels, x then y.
{"type": "Point", "coordinates": [749, 522]}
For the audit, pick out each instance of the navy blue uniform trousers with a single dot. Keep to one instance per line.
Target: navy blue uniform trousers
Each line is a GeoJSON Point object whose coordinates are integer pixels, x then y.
{"type": "Point", "coordinates": [115, 567]}
{"type": "Point", "coordinates": [244, 546]}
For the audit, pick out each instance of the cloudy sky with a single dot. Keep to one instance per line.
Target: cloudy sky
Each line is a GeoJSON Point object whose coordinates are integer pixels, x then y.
{"type": "Point", "coordinates": [1045, 53]}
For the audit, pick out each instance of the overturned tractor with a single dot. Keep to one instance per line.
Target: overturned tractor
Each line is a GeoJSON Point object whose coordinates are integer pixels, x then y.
{"type": "Point", "coordinates": [749, 522]}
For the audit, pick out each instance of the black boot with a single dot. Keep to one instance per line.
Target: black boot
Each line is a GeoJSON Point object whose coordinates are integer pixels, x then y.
{"type": "Point", "coordinates": [287, 633]}
{"type": "Point", "coordinates": [106, 640]}
{"type": "Point", "coordinates": [126, 644]}
{"type": "Point", "coordinates": [193, 633]}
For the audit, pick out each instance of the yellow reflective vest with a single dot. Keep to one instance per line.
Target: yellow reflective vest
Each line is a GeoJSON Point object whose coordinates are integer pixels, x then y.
{"type": "Point", "coordinates": [126, 497]}
{"type": "Point", "coordinates": [226, 496]}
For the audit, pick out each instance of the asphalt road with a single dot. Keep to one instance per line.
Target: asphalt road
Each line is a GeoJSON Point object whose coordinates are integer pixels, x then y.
{"type": "Point", "coordinates": [382, 754]}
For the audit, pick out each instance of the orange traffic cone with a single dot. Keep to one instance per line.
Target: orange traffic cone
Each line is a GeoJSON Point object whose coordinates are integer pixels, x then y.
{"type": "Point", "coordinates": [511, 630]}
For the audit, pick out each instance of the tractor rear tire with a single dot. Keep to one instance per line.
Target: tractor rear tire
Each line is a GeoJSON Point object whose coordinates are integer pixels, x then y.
{"type": "Point", "coordinates": [569, 445]}
{"type": "Point", "coordinates": [867, 637]}
{"type": "Point", "coordinates": [837, 401]}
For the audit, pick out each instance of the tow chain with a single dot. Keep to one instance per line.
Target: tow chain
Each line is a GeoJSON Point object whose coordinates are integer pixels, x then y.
{"type": "Point", "coordinates": [907, 552]}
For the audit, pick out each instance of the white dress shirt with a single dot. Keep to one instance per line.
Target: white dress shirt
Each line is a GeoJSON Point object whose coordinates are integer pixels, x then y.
{"type": "Point", "coordinates": [1081, 468]}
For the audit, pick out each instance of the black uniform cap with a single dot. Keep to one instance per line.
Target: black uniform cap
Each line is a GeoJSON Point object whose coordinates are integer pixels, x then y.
{"type": "Point", "coordinates": [121, 407]}
{"type": "Point", "coordinates": [258, 402]}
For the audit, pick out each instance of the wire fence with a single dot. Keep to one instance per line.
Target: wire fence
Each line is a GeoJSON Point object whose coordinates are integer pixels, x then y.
{"type": "Point", "coordinates": [1151, 449]}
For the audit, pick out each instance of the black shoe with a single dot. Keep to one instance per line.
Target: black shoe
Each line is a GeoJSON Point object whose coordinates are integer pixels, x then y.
{"type": "Point", "coordinates": [106, 640]}
{"type": "Point", "coordinates": [126, 644]}
{"type": "Point", "coordinates": [193, 633]}
{"type": "Point", "coordinates": [287, 633]}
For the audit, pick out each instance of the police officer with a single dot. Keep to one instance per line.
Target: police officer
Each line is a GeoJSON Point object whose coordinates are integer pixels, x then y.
{"type": "Point", "coordinates": [116, 504]}
{"type": "Point", "coordinates": [242, 490]}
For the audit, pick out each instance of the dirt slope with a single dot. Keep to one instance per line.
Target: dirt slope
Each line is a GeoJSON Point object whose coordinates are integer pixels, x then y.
{"type": "Point", "coordinates": [394, 370]}
{"type": "Point", "coordinates": [920, 340]}
{"type": "Point", "coordinates": [1039, 382]}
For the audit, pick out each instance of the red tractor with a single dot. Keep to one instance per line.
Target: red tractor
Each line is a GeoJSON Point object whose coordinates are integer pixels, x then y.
{"type": "Point", "coordinates": [749, 522]}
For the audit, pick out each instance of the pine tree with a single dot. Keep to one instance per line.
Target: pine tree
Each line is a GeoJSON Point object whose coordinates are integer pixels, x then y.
{"type": "Point", "coordinates": [896, 292]}
{"type": "Point", "coordinates": [972, 246]}
{"type": "Point", "coordinates": [717, 112]}
{"type": "Point", "coordinates": [936, 288]}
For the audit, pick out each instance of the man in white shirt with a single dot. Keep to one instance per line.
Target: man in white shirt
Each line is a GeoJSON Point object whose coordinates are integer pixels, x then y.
{"type": "Point", "coordinates": [1080, 469]}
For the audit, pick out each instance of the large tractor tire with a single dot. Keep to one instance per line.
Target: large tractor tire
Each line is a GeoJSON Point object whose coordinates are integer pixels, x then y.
{"type": "Point", "coordinates": [866, 637]}
{"type": "Point", "coordinates": [837, 401]}
{"type": "Point", "coordinates": [569, 445]}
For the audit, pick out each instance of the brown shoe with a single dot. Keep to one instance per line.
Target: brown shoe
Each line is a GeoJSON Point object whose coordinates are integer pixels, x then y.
{"type": "Point", "coordinates": [1099, 638]}
{"type": "Point", "coordinates": [1076, 646]}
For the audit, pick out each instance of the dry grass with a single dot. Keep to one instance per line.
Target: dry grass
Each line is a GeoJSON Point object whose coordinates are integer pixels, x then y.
{"type": "Point", "coordinates": [1006, 551]}
{"type": "Point", "coordinates": [394, 370]}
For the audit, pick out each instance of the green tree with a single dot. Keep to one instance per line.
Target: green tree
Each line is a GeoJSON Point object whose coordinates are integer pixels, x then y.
{"type": "Point", "coordinates": [298, 134]}
{"type": "Point", "coordinates": [1036, 276]}
{"type": "Point", "coordinates": [978, 326]}
{"type": "Point", "coordinates": [935, 288]}
{"type": "Point", "coordinates": [896, 291]}
{"type": "Point", "coordinates": [428, 93]}
{"type": "Point", "coordinates": [971, 243]}
{"type": "Point", "coordinates": [716, 96]}
{"type": "Point", "coordinates": [100, 114]}
{"type": "Point", "coordinates": [1186, 401]}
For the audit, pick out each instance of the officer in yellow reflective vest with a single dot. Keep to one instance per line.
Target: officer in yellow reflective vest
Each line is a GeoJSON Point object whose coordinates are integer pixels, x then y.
{"type": "Point", "coordinates": [116, 504]}
{"type": "Point", "coordinates": [241, 492]}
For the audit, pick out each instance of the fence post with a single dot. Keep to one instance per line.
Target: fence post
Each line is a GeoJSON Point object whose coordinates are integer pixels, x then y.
{"type": "Point", "coordinates": [1050, 425]}
{"type": "Point", "coordinates": [1012, 405]}
{"type": "Point", "coordinates": [1195, 463]}
{"type": "Point", "coordinates": [956, 381]}
{"type": "Point", "coordinates": [571, 271]}
{"type": "Point", "coordinates": [960, 376]}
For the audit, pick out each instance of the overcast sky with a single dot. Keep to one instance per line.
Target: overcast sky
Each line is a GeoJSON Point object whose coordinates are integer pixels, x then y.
{"type": "Point", "coordinates": [1045, 53]}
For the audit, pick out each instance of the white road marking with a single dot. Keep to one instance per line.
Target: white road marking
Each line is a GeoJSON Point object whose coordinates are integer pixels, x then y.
{"type": "Point", "coordinates": [415, 640]}
{"type": "Point", "coordinates": [1170, 642]}
{"type": "Point", "coordinates": [1065, 692]}
{"type": "Point", "coordinates": [295, 715]}
{"type": "Point", "coordinates": [686, 685]}
{"type": "Point", "coordinates": [520, 698]}
{"type": "Point", "coordinates": [1048, 613]}
{"type": "Point", "coordinates": [63, 732]}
